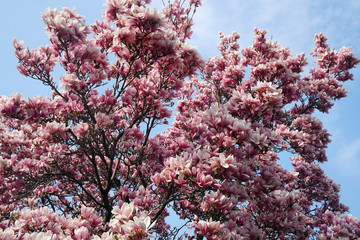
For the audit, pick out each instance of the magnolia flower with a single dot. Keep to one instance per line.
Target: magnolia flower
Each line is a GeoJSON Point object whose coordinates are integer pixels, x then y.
{"type": "Point", "coordinates": [208, 228]}
{"type": "Point", "coordinates": [138, 227]}
{"type": "Point", "coordinates": [224, 161]}
{"type": "Point", "coordinates": [103, 120]}
{"type": "Point", "coordinates": [82, 233]}
{"type": "Point", "coordinates": [125, 212]}
{"type": "Point", "coordinates": [67, 25]}
{"type": "Point", "coordinates": [80, 129]}
{"type": "Point", "coordinates": [3, 163]}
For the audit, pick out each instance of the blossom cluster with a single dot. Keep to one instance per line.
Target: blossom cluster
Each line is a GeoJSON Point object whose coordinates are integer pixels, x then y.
{"type": "Point", "coordinates": [239, 125]}
{"type": "Point", "coordinates": [89, 144]}
{"type": "Point", "coordinates": [85, 163]}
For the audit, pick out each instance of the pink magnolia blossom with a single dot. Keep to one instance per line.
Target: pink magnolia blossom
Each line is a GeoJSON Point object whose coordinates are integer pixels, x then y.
{"type": "Point", "coordinates": [85, 163]}
{"type": "Point", "coordinates": [125, 213]}
{"type": "Point", "coordinates": [65, 26]}
{"type": "Point", "coordinates": [82, 233]}
{"type": "Point", "coordinates": [102, 119]}
{"type": "Point", "coordinates": [138, 228]}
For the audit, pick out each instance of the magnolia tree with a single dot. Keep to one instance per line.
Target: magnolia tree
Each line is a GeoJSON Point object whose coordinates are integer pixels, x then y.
{"type": "Point", "coordinates": [85, 163]}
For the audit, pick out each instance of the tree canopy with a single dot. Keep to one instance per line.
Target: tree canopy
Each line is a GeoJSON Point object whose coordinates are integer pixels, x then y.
{"type": "Point", "coordinates": [86, 163]}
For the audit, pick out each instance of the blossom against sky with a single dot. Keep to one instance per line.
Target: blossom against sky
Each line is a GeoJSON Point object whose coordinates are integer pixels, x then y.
{"type": "Point", "coordinates": [291, 23]}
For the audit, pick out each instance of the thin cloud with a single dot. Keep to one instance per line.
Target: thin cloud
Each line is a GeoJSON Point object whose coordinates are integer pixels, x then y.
{"type": "Point", "coordinates": [348, 160]}
{"type": "Point", "coordinates": [292, 23]}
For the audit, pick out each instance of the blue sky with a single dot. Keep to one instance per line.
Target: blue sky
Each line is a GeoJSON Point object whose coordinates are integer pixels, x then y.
{"type": "Point", "coordinates": [291, 23]}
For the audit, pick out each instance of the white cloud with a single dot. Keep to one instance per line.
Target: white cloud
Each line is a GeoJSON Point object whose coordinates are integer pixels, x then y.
{"type": "Point", "coordinates": [286, 20]}
{"type": "Point", "coordinates": [348, 160]}
{"type": "Point", "coordinates": [292, 23]}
